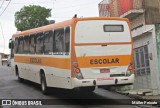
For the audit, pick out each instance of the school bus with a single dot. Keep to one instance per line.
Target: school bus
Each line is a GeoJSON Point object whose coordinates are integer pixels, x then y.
{"type": "Point", "coordinates": [80, 53]}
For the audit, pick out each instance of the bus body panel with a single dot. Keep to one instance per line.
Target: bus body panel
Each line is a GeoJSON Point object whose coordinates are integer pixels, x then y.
{"type": "Point", "coordinates": [98, 50]}
{"type": "Point", "coordinates": [93, 58]}
{"type": "Point", "coordinates": [92, 31]}
{"type": "Point", "coordinates": [90, 46]}
{"type": "Point", "coordinates": [33, 74]}
{"type": "Point", "coordinates": [55, 77]}
{"type": "Point", "coordinates": [103, 81]}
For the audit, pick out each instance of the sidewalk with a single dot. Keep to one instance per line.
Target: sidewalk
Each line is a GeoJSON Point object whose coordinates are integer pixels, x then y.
{"type": "Point", "coordinates": [140, 94]}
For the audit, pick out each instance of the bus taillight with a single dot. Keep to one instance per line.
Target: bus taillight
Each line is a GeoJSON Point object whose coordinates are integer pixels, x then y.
{"type": "Point", "coordinates": [77, 71]}
{"type": "Point", "coordinates": [130, 67]}
{"type": "Point", "coordinates": [130, 70]}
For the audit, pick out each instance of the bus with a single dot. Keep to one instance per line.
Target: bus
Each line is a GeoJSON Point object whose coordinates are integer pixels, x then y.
{"type": "Point", "coordinates": [80, 53]}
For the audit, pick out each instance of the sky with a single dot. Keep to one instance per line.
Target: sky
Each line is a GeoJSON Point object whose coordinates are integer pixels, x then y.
{"type": "Point", "coordinates": [61, 10]}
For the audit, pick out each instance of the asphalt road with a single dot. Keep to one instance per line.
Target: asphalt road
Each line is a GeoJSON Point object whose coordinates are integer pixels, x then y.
{"type": "Point", "coordinates": [10, 88]}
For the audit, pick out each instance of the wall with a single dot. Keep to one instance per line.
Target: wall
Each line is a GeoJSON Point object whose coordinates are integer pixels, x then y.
{"type": "Point", "coordinates": [151, 7]}
{"type": "Point", "coordinates": [114, 8]}
{"type": "Point", "coordinates": [137, 4]}
{"type": "Point", "coordinates": [104, 10]}
{"type": "Point", "coordinates": [138, 21]}
{"type": "Point", "coordinates": [125, 6]}
{"type": "Point", "coordinates": [144, 81]}
{"type": "Point", "coordinates": [158, 46]}
{"type": "Point", "coordinates": [147, 38]}
{"type": "Point", "coordinates": [152, 11]}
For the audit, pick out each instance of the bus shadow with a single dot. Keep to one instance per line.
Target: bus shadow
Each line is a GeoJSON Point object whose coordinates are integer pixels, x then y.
{"type": "Point", "coordinates": [64, 93]}
{"type": "Point", "coordinates": [70, 97]}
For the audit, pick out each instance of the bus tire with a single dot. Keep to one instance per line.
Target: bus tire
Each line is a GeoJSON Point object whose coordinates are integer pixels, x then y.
{"type": "Point", "coordinates": [44, 87]}
{"type": "Point", "coordinates": [19, 78]}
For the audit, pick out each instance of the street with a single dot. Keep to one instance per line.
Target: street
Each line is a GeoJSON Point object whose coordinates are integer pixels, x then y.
{"type": "Point", "coordinates": [10, 88]}
{"type": "Point", "coordinates": [103, 53]}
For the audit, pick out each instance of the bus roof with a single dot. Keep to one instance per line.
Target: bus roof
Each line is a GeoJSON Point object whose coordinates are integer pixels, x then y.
{"type": "Point", "coordinates": [63, 24]}
{"type": "Point", "coordinates": [44, 28]}
{"type": "Point", "coordinates": [103, 18]}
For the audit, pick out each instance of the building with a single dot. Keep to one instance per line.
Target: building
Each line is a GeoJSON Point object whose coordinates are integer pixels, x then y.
{"type": "Point", "coordinates": [143, 15]}
{"type": "Point", "coordinates": [158, 43]}
{"type": "Point", "coordinates": [104, 9]}
{"type": "Point", "coordinates": [3, 58]}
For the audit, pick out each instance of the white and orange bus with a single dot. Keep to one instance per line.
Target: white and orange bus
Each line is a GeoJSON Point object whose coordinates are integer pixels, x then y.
{"type": "Point", "coordinates": [78, 53]}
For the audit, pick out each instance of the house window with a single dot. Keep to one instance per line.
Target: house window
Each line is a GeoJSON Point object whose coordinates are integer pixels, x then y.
{"type": "Point", "coordinates": [141, 61]}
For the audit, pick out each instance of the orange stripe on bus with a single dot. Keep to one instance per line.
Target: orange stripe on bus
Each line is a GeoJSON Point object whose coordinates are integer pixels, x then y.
{"type": "Point", "coordinates": [104, 61]}
{"type": "Point", "coordinates": [63, 63]}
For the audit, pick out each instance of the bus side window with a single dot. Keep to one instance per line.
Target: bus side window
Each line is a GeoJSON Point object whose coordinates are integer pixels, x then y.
{"type": "Point", "coordinates": [20, 45]}
{"type": "Point", "coordinates": [39, 43]}
{"type": "Point", "coordinates": [16, 46]}
{"type": "Point", "coordinates": [58, 41]}
{"type": "Point", "coordinates": [26, 44]}
{"type": "Point", "coordinates": [48, 42]}
{"type": "Point", "coordinates": [32, 43]}
{"type": "Point", "coordinates": [67, 39]}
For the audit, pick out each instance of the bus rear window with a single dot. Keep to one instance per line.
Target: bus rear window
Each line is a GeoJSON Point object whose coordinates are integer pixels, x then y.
{"type": "Point", "coordinates": [113, 28]}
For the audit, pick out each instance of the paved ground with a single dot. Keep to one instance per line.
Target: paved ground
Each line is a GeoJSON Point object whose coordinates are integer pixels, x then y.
{"type": "Point", "coordinates": [10, 88]}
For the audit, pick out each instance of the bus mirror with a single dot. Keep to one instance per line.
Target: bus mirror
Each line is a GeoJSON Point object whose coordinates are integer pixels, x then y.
{"type": "Point", "coordinates": [10, 44]}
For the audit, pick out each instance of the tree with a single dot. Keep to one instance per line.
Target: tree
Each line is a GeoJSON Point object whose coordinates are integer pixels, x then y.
{"type": "Point", "coordinates": [31, 16]}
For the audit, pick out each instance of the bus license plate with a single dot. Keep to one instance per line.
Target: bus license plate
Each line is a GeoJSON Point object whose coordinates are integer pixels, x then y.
{"type": "Point", "coordinates": [104, 70]}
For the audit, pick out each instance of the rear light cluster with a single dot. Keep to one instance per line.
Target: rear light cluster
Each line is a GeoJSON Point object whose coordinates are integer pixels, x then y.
{"type": "Point", "coordinates": [130, 67]}
{"type": "Point", "coordinates": [130, 70]}
{"type": "Point", "coordinates": [77, 71]}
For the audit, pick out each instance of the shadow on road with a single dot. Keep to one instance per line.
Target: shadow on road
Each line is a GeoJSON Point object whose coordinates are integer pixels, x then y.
{"type": "Point", "coordinates": [64, 93]}
{"type": "Point", "coordinates": [70, 97]}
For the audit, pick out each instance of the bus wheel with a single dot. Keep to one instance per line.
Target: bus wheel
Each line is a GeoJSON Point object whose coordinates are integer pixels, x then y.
{"type": "Point", "coordinates": [44, 87]}
{"type": "Point", "coordinates": [19, 78]}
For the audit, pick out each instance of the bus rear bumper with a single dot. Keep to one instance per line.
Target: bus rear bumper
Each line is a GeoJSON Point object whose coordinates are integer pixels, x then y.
{"type": "Point", "coordinates": [103, 81]}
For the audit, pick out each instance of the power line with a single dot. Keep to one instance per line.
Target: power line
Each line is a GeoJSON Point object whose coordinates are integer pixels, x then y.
{"type": "Point", "coordinates": [2, 4]}
{"type": "Point", "coordinates": [5, 8]}
{"type": "Point", "coordinates": [1, 24]}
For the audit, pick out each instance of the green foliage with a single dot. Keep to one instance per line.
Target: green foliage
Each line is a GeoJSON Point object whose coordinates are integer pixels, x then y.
{"type": "Point", "coordinates": [31, 16]}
